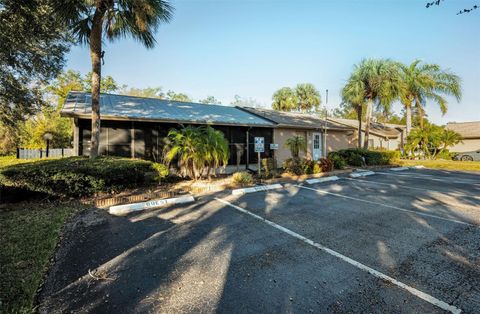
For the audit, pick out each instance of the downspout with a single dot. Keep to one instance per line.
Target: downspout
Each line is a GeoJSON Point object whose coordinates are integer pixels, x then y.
{"type": "Point", "coordinates": [247, 159]}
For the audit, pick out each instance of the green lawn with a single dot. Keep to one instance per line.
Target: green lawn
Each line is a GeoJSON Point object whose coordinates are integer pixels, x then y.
{"type": "Point", "coordinates": [444, 164]}
{"type": "Point", "coordinates": [29, 233]}
{"type": "Point", "coordinates": [12, 160]}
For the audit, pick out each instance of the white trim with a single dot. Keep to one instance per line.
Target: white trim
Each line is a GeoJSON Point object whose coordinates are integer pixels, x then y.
{"type": "Point", "coordinates": [422, 295]}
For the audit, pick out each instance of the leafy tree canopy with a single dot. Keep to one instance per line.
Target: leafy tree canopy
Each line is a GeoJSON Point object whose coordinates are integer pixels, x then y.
{"type": "Point", "coordinates": [210, 100]}
{"type": "Point", "coordinates": [171, 95]}
{"type": "Point", "coordinates": [32, 50]}
{"type": "Point", "coordinates": [149, 92]}
{"type": "Point", "coordinates": [245, 102]}
{"type": "Point", "coordinates": [304, 98]}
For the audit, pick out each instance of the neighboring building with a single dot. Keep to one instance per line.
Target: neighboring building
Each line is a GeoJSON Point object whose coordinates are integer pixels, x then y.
{"type": "Point", "coordinates": [382, 135]}
{"type": "Point", "coordinates": [322, 136]}
{"type": "Point", "coordinates": [470, 131]}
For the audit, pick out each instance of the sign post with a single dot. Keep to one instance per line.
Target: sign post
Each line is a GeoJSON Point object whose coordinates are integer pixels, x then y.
{"type": "Point", "coordinates": [259, 148]}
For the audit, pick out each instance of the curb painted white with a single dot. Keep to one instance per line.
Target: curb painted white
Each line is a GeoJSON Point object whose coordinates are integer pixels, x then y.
{"type": "Point", "coordinates": [320, 180]}
{"type": "Point", "coordinates": [419, 294]}
{"type": "Point", "coordinates": [257, 189]}
{"type": "Point", "coordinates": [361, 174]}
{"type": "Point", "coordinates": [399, 169]}
{"type": "Point", "coordinates": [418, 167]}
{"type": "Point", "coordinates": [122, 210]}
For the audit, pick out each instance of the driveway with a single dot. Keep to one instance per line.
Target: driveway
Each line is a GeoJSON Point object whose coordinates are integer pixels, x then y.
{"type": "Point", "coordinates": [406, 241]}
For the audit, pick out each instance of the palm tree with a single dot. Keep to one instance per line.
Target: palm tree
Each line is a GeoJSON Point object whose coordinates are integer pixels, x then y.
{"type": "Point", "coordinates": [296, 144]}
{"type": "Point", "coordinates": [427, 82]}
{"type": "Point", "coordinates": [216, 149]}
{"type": "Point", "coordinates": [284, 99]}
{"type": "Point", "coordinates": [375, 81]}
{"type": "Point", "coordinates": [308, 97]}
{"type": "Point", "coordinates": [353, 96]}
{"type": "Point", "coordinates": [92, 21]}
{"type": "Point", "coordinates": [197, 150]}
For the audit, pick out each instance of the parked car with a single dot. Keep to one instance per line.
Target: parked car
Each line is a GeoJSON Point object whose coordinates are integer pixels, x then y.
{"type": "Point", "coordinates": [468, 156]}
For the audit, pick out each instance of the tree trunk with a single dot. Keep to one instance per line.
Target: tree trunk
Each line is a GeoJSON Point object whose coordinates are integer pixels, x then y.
{"type": "Point", "coordinates": [368, 118]}
{"type": "Point", "coordinates": [95, 55]}
{"type": "Point", "coordinates": [408, 114]}
{"type": "Point", "coordinates": [359, 117]}
{"type": "Point", "coordinates": [421, 113]}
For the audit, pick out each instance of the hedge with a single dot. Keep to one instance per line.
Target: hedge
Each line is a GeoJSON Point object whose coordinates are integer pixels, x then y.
{"type": "Point", "coordinates": [81, 176]}
{"type": "Point", "coordinates": [358, 157]}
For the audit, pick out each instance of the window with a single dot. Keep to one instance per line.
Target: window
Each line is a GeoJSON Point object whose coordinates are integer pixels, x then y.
{"type": "Point", "coordinates": [316, 141]}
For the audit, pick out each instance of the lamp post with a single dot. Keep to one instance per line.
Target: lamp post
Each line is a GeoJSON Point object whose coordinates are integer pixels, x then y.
{"type": "Point", "coordinates": [47, 137]}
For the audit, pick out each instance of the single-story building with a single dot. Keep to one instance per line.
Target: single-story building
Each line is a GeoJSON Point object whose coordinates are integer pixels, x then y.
{"type": "Point", "coordinates": [470, 131]}
{"type": "Point", "coordinates": [136, 126]}
{"type": "Point", "coordinates": [382, 135]}
{"type": "Point", "coordinates": [322, 136]}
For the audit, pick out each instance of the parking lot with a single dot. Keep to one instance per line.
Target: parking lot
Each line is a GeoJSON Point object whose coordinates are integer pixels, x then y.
{"type": "Point", "coordinates": [406, 241]}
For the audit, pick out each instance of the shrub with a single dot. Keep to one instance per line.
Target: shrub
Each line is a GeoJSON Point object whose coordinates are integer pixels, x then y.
{"type": "Point", "coordinates": [337, 160]}
{"type": "Point", "coordinates": [355, 156]}
{"type": "Point", "coordinates": [307, 166]}
{"type": "Point", "coordinates": [324, 165]}
{"type": "Point", "coordinates": [243, 178]}
{"type": "Point", "coordinates": [80, 176]}
{"type": "Point", "coordinates": [269, 167]}
{"type": "Point", "coordinates": [294, 166]}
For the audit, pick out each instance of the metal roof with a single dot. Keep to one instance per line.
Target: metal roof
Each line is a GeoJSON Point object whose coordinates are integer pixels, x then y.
{"type": "Point", "coordinates": [381, 129]}
{"type": "Point", "coordinates": [121, 107]}
{"type": "Point", "coordinates": [295, 120]}
{"type": "Point", "coordinates": [465, 129]}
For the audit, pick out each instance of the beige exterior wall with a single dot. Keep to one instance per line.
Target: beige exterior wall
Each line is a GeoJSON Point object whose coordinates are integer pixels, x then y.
{"type": "Point", "coordinates": [379, 142]}
{"type": "Point", "coordinates": [280, 137]}
{"type": "Point", "coordinates": [335, 140]}
{"type": "Point", "coordinates": [468, 145]}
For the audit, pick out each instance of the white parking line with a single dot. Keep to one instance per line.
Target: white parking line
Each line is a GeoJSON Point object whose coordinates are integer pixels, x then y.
{"type": "Point", "coordinates": [414, 188]}
{"type": "Point", "coordinates": [393, 185]}
{"type": "Point", "coordinates": [422, 295]}
{"type": "Point", "coordinates": [386, 205]}
{"type": "Point", "coordinates": [429, 177]}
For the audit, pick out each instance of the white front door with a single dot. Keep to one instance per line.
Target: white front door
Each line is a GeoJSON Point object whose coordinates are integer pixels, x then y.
{"type": "Point", "coordinates": [317, 146]}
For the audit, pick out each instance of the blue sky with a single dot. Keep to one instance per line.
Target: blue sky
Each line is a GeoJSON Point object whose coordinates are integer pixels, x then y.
{"type": "Point", "coordinates": [252, 48]}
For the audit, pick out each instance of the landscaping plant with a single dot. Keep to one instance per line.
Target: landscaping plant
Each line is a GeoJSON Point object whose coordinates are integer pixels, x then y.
{"type": "Point", "coordinates": [296, 144]}
{"type": "Point", "coordinates": [197, 150]}
{"type": "Point", "coordinates": [243, 178]}
{"type": "Point", "coordinates": [80, 176]}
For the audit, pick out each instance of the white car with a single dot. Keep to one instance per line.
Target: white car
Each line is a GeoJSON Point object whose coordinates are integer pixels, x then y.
{"type": "Point", "coordinates": [468, 156]}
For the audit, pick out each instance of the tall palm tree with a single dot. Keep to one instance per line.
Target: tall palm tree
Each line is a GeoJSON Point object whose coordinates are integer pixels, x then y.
{"type": "Point", "coordinates": [308, 97]}
{"type": "Point", "coordinates": [375, 81]}
{"type": "Point", "coordinates": [284, 99]}
{"type": "Point", "coordinates": [353, 96]}
{"type": "Point", "coordinates": [427, 82]}
{"type": "Point", "coordinates": [92, 21]}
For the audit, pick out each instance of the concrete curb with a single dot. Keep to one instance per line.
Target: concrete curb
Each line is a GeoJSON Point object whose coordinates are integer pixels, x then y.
{"type": "Point", "coordinates": [320, 180]}
{"type": "Point", "coordinates": [122, 210]}
{"type": "Point", "coordinates": [256, 189]}
{"type": "Point", "coordinates": [399, 169]}
{"type": "Point", "coordinates": [361, 174]}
